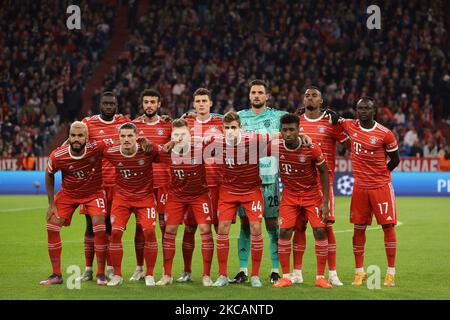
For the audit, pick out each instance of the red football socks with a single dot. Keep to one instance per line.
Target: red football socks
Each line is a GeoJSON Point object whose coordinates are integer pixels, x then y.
{"type": "Point", "coordinates": [359, 241]}
{"type": "Point", "coordinates": [139, 241]}
{"type": "Point", "coordinates": [168, 251]}
{"type": "Point", "coordinates": [188, 249]}
{"type": "Point", "coordinates": [207, 252]}
{"type": "Point", "coordinates": [257, 251]}
{"type": "Point", "coordinates": [223, 247]}
{"type": "Point", "coordinates": [54, 247]}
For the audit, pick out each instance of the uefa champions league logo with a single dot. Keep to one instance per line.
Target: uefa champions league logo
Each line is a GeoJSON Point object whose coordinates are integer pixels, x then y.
{"type": "Point", "coordinates": [345, 185]}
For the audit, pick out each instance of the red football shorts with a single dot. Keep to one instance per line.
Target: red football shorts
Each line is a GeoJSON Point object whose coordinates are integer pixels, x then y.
{"type": "Point", "coordinates": [252, 202]}
{"type": "Point", "coordinates": [145, 211]}
{"type": "Point", "coordinates": [189, 218]}
{"type": "Point", "coordinates": [108, 198]}
{"type": "Point", "coordinates": [296, 210]}
{"type": "Point", "coordinates": [367, 202]}
{"type": "Point", "coordinates": [201, 208]}
{"type": "Point", "coordinates": [95, 205]}
{"type": "Point", "coordinates": [161, 195]}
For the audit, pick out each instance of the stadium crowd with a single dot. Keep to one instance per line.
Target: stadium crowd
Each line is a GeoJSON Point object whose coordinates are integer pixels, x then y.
{"type": "Point", "coordinates": [43, 68]}
{"type": "Point", "coordinates": [179, 46]}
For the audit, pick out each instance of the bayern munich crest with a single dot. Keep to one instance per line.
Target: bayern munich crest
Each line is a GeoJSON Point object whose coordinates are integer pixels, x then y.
{"type": "Point", "coordinates": [141, 162]}
{"type": "Point", "coordinates": [373, 140]}
{"type": "Point", "coordinates": [160, 132]}
{"type": "Point", "coordinates": [302, 158]}
{"type": "Point", "coordinates": [322, 129]}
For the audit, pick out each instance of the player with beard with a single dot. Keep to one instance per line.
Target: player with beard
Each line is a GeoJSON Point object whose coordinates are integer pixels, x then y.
{"type": "Point", "coordinates": [158, 130]}
{"type": "Point", "coordinates": [261, 119]}
{"type": "Point", "coordinates": [102, 127]}
{"type": "Point", "coordinates": [81, 167]}
{"type": "Point", "coordinates": [314, 122]}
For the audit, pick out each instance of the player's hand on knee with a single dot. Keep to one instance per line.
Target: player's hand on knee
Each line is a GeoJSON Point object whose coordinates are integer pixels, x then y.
{"type": "Point", "coordinates": [52, 211]}
{"type": "Point", "coordinates": [324, 212]}
{"type": "Point", "coordinates": [306, 140]}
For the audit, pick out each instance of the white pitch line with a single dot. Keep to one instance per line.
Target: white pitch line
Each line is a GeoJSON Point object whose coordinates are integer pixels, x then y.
{"type": "Point", "coordinates": [20, 209]}
{"type": "Point", "coordinates": [370, 228]}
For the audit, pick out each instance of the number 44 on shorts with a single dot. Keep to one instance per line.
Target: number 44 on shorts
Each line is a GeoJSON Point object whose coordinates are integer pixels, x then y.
{"type": "Point", "coordinates": [256, 206]}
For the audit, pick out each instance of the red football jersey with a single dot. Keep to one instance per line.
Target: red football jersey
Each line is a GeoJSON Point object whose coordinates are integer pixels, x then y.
{"type": "Point", "coordinates": [369, 158]}
{"type": "Point", "coordinates": [81, 176]}
{"type": "Point", "coordinates": [106, 131]}
{"type": "Point", "coordinates": [240, 163]}
{"type": "Point", "coordinates": [159, 133]}
{"type": "Point", "coordinates": [188, 174]}
{"type": "Point", "coordinates": [298, 167]}
{"type": "Point", "coordinates": [134, 174]}
{"type": "Point", "coordinates": [325, 135]}
{"type": "Point", "coordinates": [207, 128]}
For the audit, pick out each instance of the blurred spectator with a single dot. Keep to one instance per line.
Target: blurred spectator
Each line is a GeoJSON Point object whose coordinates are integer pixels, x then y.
{"type": "Point", "coordinates": [430, 150]}
{"type": "Point", "coordinates": [411, 138]}
{"type": "Point", "coordinates": [29, 162]}
{"type": "Point", "coordinates": [444, 159]}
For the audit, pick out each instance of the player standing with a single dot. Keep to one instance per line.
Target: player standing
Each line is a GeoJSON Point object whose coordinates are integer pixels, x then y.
{"type": "Point", "coordinates": [304, 197]}
{"type": "Point", "coordinates": [133, 192]}
{"type": "Point", "coordinates": [188, 190]}
{"type": "Point", "coordinates": [242, 186]}
{"type": "Point", "coordinates": [102, 127]}
{"type": "Point", "coordinates": [204, 124]}
{"type": "Point", "coordinates": [261, 119]}
{"type": "Point", "coordinates": [315, 124]}
{"type": "Point", "coordinates": [81, 167]}
{"type": "Point", "coordinates": [151, 126]}
{"type": "Point", "coordinates": [373, 194]}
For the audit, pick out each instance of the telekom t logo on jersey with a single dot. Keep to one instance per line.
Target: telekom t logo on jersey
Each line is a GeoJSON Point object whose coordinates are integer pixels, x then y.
{"type": "Point", "coordinates": [179, 174]}
{"type": "Point", "coordinates": [287, 168]}
{"type": "Point", "coordinates": [126, 173]}
{"type": "Point", "coordinates": [357, 146]}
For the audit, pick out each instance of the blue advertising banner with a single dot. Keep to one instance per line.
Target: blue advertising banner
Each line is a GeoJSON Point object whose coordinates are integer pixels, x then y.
{"type": "Point", "coordinates": [26, 182]}
{"type": "Point", "coordinates": [435, 184]}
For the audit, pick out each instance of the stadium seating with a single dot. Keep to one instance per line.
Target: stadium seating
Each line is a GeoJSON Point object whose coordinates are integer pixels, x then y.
{"type": "Point", "coordinates": [44, 67]}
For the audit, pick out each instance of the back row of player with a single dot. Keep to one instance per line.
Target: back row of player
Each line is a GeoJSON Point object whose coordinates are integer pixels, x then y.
{"type": "Point", "coordinates": [262, 119]}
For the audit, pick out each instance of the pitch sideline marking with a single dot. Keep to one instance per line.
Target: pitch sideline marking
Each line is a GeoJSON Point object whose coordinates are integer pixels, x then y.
{"type": "Point", "coordinates": [20, 209]}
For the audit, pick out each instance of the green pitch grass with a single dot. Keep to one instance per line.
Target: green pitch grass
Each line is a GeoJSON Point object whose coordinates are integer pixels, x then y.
{"type": "Point", "coordinates": [423, 258]}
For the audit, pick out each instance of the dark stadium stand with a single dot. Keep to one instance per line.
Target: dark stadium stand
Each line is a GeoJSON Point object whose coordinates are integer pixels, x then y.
{"type": "Point", "coordinates": [178, 46]}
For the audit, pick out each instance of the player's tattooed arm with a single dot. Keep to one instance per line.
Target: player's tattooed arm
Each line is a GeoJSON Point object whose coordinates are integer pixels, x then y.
{"type": "Point", "coordinates": [170, 145]}
{"type": "Point", "coordinates": [333, 116]}
{"type": "Point", "coordinates": [166, 118]}
{"type": "Point", "coordinates": [146, 145]}
{"type": "Point", "coordinates": [395, 160]}
{"type": "Point", "coordinates": [324, 181]}
{"type": "Point", "coordinates": [50, 185]}
{"type": "Point", "coordinates": [300, 110]}
{"type": "Point", "coordinates": [306, 140]}
{"type": "Point", "coordinates": [189, 115]}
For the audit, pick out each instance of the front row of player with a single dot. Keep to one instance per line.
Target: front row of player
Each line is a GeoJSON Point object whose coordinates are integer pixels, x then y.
{"type": "Point", "coordinates": [305, 195]}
